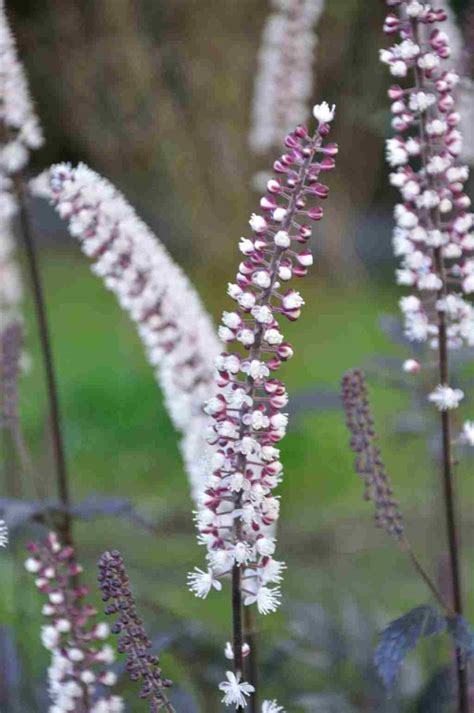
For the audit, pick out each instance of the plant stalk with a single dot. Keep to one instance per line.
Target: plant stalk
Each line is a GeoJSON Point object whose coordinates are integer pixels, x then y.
{"type": "Point", "coordinates": [65, 527]}
{"type": "Point", "coordinates": [251, 639]}
{"type": "Point", "coordinates": [434, 221]}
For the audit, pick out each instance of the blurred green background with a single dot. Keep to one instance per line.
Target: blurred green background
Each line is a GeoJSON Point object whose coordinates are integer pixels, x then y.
{"type": "Point", "coordinates": [155, 95]}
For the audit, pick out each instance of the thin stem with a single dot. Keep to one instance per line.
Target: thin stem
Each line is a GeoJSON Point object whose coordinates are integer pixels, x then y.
{"type": "Point", "coordinates": [252, 660]}
{"type": "Point", "coordinates": [48, 362]}
{"type": "Point", "coordinates": [406, 547]}
{"type": "Point", "coordinates": [237, 638]}
{"type": "Point", "coordinates": [434, 221]}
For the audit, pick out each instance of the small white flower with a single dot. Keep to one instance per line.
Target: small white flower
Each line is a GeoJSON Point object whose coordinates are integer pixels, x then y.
{"type": "Point", "coordinates": [102, 630]}
{"type": "Point", "coordinates": [106, 654]}
{"type": "Point", "coordinates": [201, 583]}
{"type": "Point", "coordinates": [324, 113]}
{"type": "Point", "coordinates": [231, 320]}
{"type": "Point", "coordinates": [268, 600]}
{"type": "Point", "coordinates": [56, 597]}
{"type": "Point", "coordinates": [398, 68]}
{"type": "Point", "coordinates": [32, 565]}
{"type": "Point", "coordinates": [282, 239]}
{"type": "Point", "coordinates": [256, 369]}
{"type": "Point", "coordinates": [467, 435]}
{"type": "Point", "coordinates": [109, 678]}
{"type": "Point", "coordinates": [258, 223]}
{"type": "Point", "coordinates": [273, 337]}
{"type": "Point", "coordinates": [446, 398]}
{"type": "Point", "coordinates": [292, 300]}
{"type": "Point", "coordinates": [63, 625]}
{"type": "Point", "coordinates": [272, 707]}
{"type": "Point", "coordinates": [262, 314]}
{"type": "Point", "coordinates": [265, 546]}
{"type": "Point", "coordinates": [49, 637]}
{"type": "Point", "coordinates": [411, 366]}
{"type": "Point", "coordinates": [87, 677]}
{"type": "Point", "coordinates": [279, 214]}
{"type": "Point", "coordinates": [262, 279]}
{"type": "Point", "coordinates": [75, 654]}
{"type": "Point", "coordinates": [246, 246]}
{"type": "Point", "coordinates": [235, 691]}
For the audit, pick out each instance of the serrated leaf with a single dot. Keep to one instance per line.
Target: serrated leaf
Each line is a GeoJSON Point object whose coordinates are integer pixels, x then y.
{"type": "Point", "coordinates": [462, 634]}
{"type": "Point", "coordinates": [401, 636]}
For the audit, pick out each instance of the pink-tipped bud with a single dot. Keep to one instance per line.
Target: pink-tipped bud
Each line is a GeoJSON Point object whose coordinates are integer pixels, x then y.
{"type": "Point", "coordinates": [330, 149]}
{"type": "Point", "coordinates": [305, 258]}
{"type": "Point", "coordinates": [274, 363]}
{"type": "Point", "coordinates": [327, 164]}
{"type": "Point", "coordinates": [300, 271]}
{"type": "Point", "coordinates": [320, 190]}
{"type": "Point", "coordinates": [301, 131]}
{"type": "Point", "coordinates": [274, 186]}
{"type": "Point", "coordinates": [315, 213]}
{"type": "Point", "coordinates": [292, 142]}
{"type": "Point", "coordinates": [391, 25]}
{"type": "Point", "coordinates": [411, 366]}
{"type": "Point", "coordinates": [285, 351]}
{"type": "Point", "coordinates": [453, 119]}
{"type": "Point", "coordinates": [268, 203]}
{"type": "Point", "coordinates": [279, 167]}
{"type": "Point", "coordinates": [396, 92]}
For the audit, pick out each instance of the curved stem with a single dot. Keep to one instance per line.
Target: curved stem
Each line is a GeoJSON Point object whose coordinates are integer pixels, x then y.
{"type": "Point", "coordinates": [48, 361]}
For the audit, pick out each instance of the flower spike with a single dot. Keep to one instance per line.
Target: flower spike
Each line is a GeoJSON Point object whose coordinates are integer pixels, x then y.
{"type": "Point", "coordinates": [239, 509]}
{"type": "Point", "coordinates": [174, 327]}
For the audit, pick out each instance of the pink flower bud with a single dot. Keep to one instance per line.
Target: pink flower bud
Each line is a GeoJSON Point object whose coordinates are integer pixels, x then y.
{"type": "Point", "coordinates": [411, 366]}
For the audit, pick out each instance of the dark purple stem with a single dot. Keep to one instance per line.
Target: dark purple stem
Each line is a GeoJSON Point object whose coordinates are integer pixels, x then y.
{"type": "Point", "coordinates": [447, 465]}
{"type": "Point", "coordinates": [65, 527]}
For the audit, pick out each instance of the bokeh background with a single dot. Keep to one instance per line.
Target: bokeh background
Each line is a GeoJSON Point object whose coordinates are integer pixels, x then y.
{"type": "Point", "coordinates": [156, 95]}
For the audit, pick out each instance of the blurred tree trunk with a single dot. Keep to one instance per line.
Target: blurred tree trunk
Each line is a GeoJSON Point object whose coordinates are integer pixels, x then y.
{"type": "Point", "coordinates": [156, 96]}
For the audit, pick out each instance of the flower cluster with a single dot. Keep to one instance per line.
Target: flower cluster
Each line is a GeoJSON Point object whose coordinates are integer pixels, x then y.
{"type": "Point", "coordinates": [79, 657]}
{"type": "Point", "coordinates": [19, 132]}
{"type": "Point", "coordinates": [434, 226]}
{"type": "Point", "coordinates": [11, 339]}
{"type": "Point", "coordinates": [17, 114]}
{"type": "Point", "coordinates": [133, 641]}
{"type": "Point", "coordinates": [284, 79]}
{"type": "Point", "coordinates": [174, 327]}
{"type": "Point", "coordinates": [368, 462]}
{"type": "Point", "coordinates": [239, 509]}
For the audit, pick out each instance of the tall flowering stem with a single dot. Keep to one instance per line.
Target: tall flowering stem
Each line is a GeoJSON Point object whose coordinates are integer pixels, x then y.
{"type": "Point", "coordinates": [239, 509]}
{"type": "Point", "coordinates": [177, 332]}
{"type": "Point", "coordinates": [371, 468]}
{"type": "Point", "coordinates": [368, 462]}
{"type": "Point", "coordinates": [284, 79]}
{"type": "Point", "coordinates": [79, 658]}
{"type": "Point", "coordinates": [19, 133]}
{"type": "Point", "coordinates": [133, 642]}
{"type": "Point", "coordinates": [434, 228]}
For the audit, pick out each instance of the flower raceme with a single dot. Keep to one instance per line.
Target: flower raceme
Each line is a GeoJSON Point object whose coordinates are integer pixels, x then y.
{"type": "Point", "coordinates": [79, 656]}
{"type": "Point", "coordinates": [284, 79]}
{"type": "Point", "coordinates": [133, 640]}
{"type": "Point", "coordinates": [19, 133]}
{"type": "Point", "coordinates": [239, 509]}
{"type": "Point", "coordinates": [433, 234]}
{"type": "Point", "coordinates": [177, 332]}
